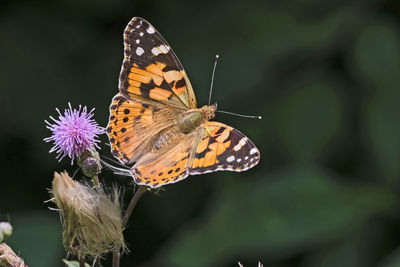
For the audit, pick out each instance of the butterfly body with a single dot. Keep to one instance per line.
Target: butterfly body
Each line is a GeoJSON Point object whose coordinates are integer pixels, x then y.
{"type": "Point", "coordinates": [194, 118]}
{"type": "Point", "coordinates": [155, 123]}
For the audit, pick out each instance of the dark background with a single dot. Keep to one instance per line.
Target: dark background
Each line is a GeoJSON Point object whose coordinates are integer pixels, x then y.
{"type": "Point", "coordinates": [325, 76]}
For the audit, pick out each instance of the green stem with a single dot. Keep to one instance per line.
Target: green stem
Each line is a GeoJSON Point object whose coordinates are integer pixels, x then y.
{"type": "Point", "coordinates": [96, 180]}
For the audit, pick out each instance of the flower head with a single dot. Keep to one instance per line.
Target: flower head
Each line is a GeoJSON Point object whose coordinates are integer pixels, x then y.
{"type": "Point", "coordinates": [92, 222]}
{"type": "Point", "coordinates": [74, 132]}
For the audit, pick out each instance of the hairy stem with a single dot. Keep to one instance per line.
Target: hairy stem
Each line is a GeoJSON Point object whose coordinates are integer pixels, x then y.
{"type": "Point", "coordinates": [139, 192]}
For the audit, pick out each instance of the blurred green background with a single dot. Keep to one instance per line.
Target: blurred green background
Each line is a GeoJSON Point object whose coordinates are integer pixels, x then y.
{"type": "Point", "coordinates": [325, 76]}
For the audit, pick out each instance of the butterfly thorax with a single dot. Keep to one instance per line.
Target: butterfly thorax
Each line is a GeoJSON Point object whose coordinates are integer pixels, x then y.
{"type": "Point", "coordinates": [193, 118]}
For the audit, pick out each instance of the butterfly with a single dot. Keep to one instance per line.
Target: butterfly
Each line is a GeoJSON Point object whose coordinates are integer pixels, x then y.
{"type": "Point", "coordinates": [154, 121]}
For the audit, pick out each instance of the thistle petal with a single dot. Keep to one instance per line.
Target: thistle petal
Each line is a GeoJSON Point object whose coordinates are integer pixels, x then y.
{"type": "Point", "coordinates": [73, 132]}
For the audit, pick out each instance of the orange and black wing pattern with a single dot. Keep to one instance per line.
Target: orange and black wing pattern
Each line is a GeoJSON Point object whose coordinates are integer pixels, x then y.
{"type": "Point", "coordinates": [144, 129]}
{"type": "Point", "coordinates": [222, 147]}
{"type": "Point", "coordinates": [171, 166]}
{"type": "Point", "coordinates": [151, 71]}
{"type": "Point", "coordinates": [133, 124]}
{"type": "Point", "coordinates": [213, 147]}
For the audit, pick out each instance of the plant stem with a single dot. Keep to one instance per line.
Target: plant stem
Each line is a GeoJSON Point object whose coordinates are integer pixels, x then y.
{"type": "Point", "coordinates": [96, 180]}
{"type": "Point", "coordinates": [139, 192]}
{"type": "Point", "coordinates": [115, 260]}
{"type": "Point", "coordinates": [81, 261]}
{"type": "Point", "coordinates": [141, 189]}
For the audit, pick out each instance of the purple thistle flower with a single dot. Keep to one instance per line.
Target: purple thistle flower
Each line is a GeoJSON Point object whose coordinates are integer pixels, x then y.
{"type": "Point", "coordinates": [73, 133]}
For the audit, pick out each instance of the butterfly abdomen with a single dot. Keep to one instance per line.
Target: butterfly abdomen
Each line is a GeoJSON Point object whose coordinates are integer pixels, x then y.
{"type": "Point", "coordinates": [162, 140]}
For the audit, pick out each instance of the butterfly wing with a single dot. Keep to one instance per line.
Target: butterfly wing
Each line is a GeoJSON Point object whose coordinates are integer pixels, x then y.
{"type": "Point", "coordinates": [221, 147]}
{"type": "Point", "coordinates": [213, 147]}
{"type": "Point", "coordinates": [133, 125]}
{"type": "Point", "coordinates": [165, 167]}
{"type": "Point", "coordinates": [151, 71]}
{"type": "Point", "coordinates": [154, 90]}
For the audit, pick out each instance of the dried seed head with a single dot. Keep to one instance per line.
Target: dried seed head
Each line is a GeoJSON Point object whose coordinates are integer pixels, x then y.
{"type": "Point", "coordinates": [8, 258]}
{"type": "Point", "coordinates": [92, 223]}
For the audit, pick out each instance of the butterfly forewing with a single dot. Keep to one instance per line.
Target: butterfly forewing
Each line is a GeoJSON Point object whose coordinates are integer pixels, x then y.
{"type": "Point", "coordinates": [133, 124]}
{"type": "Point", "coordinates": [222, 147]}
{"type": "Point", "coordinates": [151, 71]}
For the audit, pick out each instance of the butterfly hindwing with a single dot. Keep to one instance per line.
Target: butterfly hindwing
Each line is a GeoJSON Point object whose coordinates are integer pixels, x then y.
{"type": "Point", "coordinates": [222, 147]}
{"type": "Point", "coordinates": [165, 167]}
{"type": "Point", "coordinates": [132, 125]}
{"type": "Point", "coordinates": [151, 71]}
{"type": "Point", "coordinates": [213, 147]}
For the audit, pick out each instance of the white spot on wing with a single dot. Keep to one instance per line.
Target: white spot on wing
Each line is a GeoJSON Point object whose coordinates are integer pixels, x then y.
{"type": "Point", "coordinates": [237, 147]}
{"type": "Point", "coordinates": [230, 159]}
{"type": "Point", "coordinates": [141, 34]}
{"type": "Point", "coordinates": [155, 51]}
{"type": "Point", "coordinates": [253, 151]}
{"type": "Point", "coordinates": [137, 41]}
{"type": "Point", "coordinates": [150, 30]}
{"type": "Point", "coordinates": [239, 160]}
{"type": "Point", "coordinates": [163, 49]}
{"type": "Point", "coordinates": [246, 158]}
{"type": "Point", "coordinates": [242, 141]}
{"type": "Point", "coordinates": [139, 51]}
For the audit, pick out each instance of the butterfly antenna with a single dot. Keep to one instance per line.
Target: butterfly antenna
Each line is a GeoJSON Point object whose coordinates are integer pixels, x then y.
{"type": "Point", "coordinates": [212, 78]}
{"type": "Point", "coordinates": [240, 115]}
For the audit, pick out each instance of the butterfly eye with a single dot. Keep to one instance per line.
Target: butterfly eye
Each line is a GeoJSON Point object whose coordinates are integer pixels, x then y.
{"type": "Point", "coordinates": [209, 111]}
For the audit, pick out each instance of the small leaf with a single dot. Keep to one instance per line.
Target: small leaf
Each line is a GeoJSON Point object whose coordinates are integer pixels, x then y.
{"type": "Point", "coordinates": [73, 263]}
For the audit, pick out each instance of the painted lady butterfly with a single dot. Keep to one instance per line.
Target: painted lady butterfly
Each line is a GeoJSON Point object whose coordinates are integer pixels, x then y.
{"type": "Point", "coordinates": [154, 120]}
